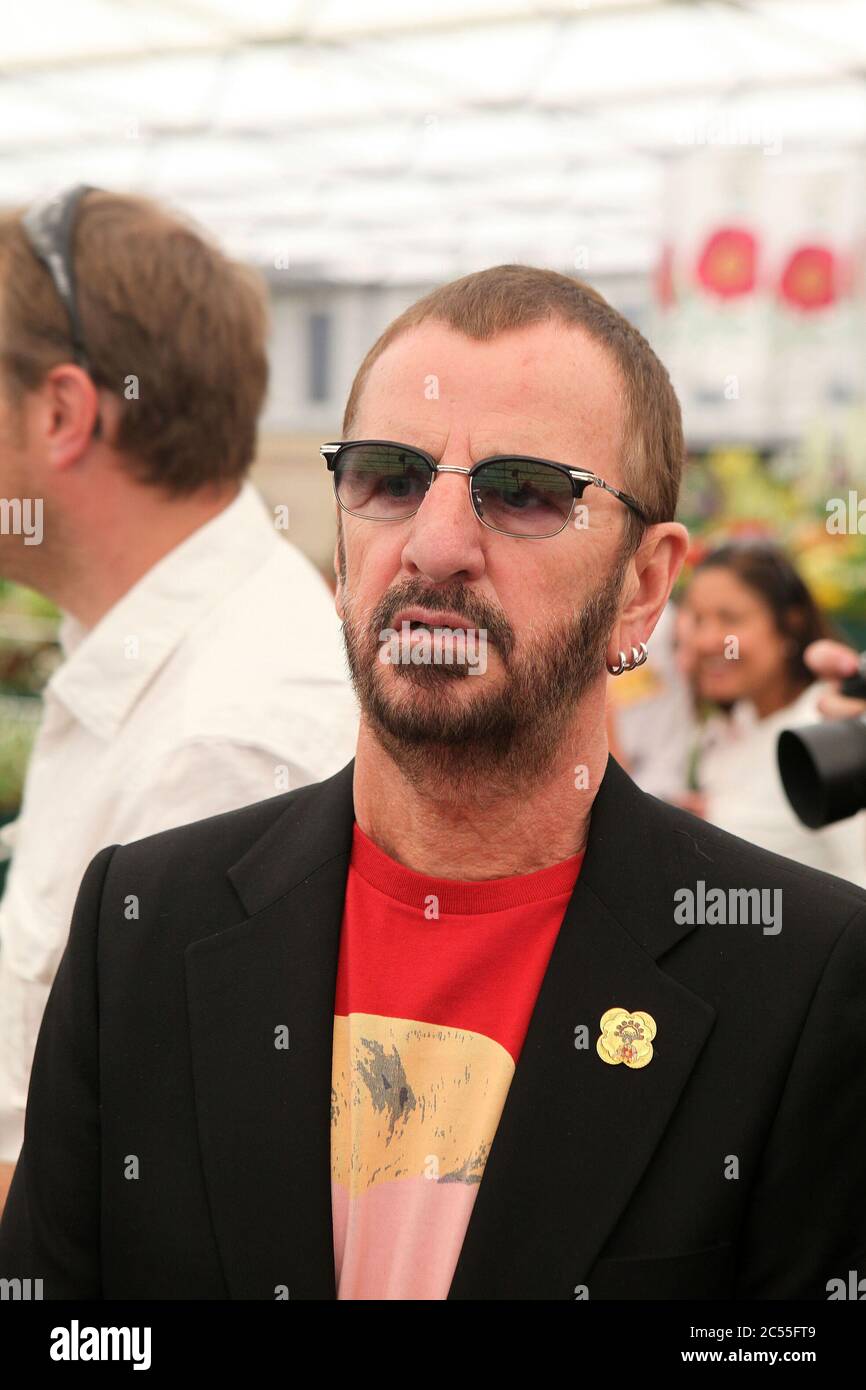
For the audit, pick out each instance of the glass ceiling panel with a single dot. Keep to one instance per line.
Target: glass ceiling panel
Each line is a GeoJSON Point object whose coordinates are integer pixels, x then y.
{"type": "Point", "coordinates": [372, 137]}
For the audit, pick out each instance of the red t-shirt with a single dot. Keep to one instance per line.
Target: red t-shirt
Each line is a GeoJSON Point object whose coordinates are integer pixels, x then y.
{"type": "Point", "coordinates": [436, 983]}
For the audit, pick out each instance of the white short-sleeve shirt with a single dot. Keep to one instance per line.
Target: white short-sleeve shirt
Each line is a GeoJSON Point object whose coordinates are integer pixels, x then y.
{"type": "Point", "coordinates": [217, 680]}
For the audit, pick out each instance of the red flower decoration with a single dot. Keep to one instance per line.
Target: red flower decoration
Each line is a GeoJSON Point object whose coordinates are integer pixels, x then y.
{"type": "Point", "coordinates": [697, 550]}
{"type": "Point", "coordinates": [664, 278]}
{"type": "Point", "coordinates": [809, 280]}
{"type": "Point", "coordinates": [727, 264]}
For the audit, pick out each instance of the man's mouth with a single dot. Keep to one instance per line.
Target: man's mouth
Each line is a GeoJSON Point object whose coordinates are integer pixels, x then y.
{"type": "Point", "coordinates": [419, 620]}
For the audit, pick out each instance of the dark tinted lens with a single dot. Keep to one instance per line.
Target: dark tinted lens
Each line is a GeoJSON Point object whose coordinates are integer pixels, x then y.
{"type": "Point", "coordinates": [523, 498]}
{"type": "Point", "coordinates": [381, 481]}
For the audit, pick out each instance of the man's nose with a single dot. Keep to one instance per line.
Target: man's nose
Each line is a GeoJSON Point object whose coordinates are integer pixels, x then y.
{"type": "Point", "coordinates": [445, 535]}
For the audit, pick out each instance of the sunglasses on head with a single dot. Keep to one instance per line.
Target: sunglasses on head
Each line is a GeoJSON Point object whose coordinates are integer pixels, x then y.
{"type": "Point", "coordinates": [517, 495]}
{"type": "Point", "coordinates": [49, 226]}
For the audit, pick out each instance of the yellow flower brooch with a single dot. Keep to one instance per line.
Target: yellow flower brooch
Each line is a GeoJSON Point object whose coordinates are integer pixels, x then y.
{"type": "Point", "coordinates": [626, 1037]}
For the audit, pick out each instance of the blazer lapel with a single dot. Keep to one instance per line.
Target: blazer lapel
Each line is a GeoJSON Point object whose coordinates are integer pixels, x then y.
{"type": "Point", "coordinates": [263, 1110]}
{"type": "Point", "coordinates": [576, 1133]}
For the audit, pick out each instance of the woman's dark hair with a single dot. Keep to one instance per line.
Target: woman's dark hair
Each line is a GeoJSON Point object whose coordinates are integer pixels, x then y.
{"type": "Point", "coordinates": [766, 569]}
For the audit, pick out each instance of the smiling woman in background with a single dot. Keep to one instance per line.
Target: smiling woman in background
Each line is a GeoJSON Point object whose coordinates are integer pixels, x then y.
{"type": "Point", "coordinates": [749, 618]}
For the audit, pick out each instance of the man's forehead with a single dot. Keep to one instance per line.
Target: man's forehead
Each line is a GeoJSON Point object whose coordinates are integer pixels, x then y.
{"type": "Point", "coordinates": [545, 354]}
{"type": "Point", "coordinates": [548, 380]}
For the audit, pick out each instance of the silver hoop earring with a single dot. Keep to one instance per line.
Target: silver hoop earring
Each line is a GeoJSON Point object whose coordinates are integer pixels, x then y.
{"type": "Point", "coordinates": [638, 657]}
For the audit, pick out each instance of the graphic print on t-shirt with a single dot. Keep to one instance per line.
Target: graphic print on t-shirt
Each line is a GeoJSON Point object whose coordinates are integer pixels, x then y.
{"type": "Point", "coordinates": [424, 1127]}
{"type": "Point", "coordinates": [430, 1017]}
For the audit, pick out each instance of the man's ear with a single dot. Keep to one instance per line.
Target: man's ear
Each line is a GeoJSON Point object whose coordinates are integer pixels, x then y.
{"type": "Point", "coordinates": [66, 408]}
{"type": "Point", "coordinates": [651, 576]}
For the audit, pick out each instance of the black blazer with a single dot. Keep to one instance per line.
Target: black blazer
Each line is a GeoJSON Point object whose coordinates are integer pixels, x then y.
{"type": "Point", "coordinates": [157, 1045]}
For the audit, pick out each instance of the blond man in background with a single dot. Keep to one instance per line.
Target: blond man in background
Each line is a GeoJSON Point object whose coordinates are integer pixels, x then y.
{"type": "Point", "coordinates": [203, 666]}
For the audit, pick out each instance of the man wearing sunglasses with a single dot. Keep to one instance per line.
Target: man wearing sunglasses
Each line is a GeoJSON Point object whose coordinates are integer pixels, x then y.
{"type": "Point", "coordinates": [203, 667]}
{"type": "Point", "coordinates": [475, 1018]}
